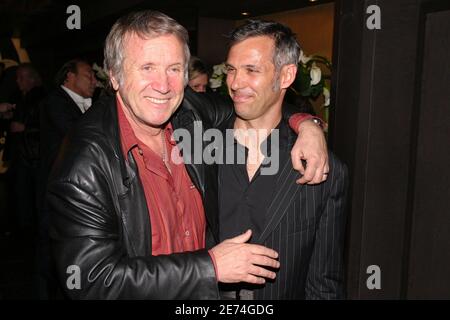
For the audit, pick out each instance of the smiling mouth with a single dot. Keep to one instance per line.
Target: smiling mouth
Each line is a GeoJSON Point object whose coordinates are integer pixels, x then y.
{"type": "Point", "coordinates": [241, 97]}
{"type": "Point", "coordinates": [157, 101]}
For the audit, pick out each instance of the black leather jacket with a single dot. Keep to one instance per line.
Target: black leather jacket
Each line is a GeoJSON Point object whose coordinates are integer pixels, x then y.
{"type": "Point", "coordinates": [100, 227]}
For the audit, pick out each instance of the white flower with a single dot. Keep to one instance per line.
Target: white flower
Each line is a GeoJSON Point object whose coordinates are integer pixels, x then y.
{"type": "Point", "coordinates": [303, 59]}
{"type": "Point", "coordinates": [100, 72]}
{"type": "Point", "coordinates": [326, 94]}
{"type": "Point", "coordinates": [219, 69]}
{"type": "Point", "coordinates": [315, 74]}
{"type": "Point", "coordinates": [215, 83]}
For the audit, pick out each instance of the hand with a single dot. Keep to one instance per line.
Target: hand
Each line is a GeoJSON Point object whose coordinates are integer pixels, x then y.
{"type": "Point", "coordinates": [312, 147]}
{"type": "Point", "coordinates": [238, 261]}
{"type": "Point", "coordinates": [4, 106]}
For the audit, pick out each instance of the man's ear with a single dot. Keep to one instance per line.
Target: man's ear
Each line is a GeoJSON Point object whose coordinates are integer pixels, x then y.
{"type": "Point", "coordinates": [287, 75]}
{"type": "Point", "coordinates": [70, 77]}
{"type": "Point", "coordinates": [114, 82]}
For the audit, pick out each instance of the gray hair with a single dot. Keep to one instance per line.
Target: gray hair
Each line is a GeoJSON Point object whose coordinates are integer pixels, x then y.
{"type": "Point", "coordinates": [145, 24]}
{"type": "Point", "coordinates": [286, 48]}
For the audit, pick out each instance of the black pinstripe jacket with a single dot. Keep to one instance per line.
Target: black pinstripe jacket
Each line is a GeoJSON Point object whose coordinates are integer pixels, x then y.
{"type": "Point", "coordinates": [305, 224]}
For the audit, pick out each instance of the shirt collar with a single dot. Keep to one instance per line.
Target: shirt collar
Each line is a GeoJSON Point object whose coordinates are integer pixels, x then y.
{"type": "Point", "coordinates": [127, 137]}
{"type": "Point", "coordinates": [82, 103]}
{"type": "Point", "coordinates": [284, 133]}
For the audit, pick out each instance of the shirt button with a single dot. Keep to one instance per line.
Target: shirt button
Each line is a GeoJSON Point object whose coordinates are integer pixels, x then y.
{"type": "Point", "coordinates": [187, 233]}
{"type": "Point", "coordinates": [141, 152]}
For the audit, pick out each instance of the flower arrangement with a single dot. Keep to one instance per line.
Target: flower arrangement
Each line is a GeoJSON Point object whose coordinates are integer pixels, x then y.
{"type": "Point", "coordinates": [217, 81]}
{"type": "Point", "coordinates": [102, 76]}
{"type": "Point", "coordinates": [310, 82]}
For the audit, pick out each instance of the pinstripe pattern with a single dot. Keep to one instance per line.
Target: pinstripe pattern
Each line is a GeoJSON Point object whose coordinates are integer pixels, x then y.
{"type": "Point", "coordinates": [305, 224]}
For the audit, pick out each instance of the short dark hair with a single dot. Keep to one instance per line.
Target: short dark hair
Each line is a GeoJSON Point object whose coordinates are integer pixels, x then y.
{"type": "Point", "coordinates": [286, 48]}
{"type": "Point", "coordinates": [69, 66]}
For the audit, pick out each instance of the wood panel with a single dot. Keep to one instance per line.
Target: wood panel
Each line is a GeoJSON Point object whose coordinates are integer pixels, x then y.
{"type": "Point", "coordinates": [376, 130]}
{"type": "Point", "coordinates": [429, 263]}
{"type": "Point", "coordinates": [313, 26]}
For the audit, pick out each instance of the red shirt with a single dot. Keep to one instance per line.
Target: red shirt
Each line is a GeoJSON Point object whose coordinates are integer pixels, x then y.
{"type": "Point", "coordinates": [175, 205]}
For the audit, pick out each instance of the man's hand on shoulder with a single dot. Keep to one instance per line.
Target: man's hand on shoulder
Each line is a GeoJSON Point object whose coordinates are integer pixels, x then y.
{"type": "Point", "coordinates": [311, 146]}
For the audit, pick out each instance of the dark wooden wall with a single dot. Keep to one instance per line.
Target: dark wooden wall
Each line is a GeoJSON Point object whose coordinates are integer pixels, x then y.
{"type": "Point", "coordinates": [391, 124]}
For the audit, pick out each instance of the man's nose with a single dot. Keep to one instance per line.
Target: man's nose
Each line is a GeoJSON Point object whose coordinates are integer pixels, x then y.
{"type": "Point", "coordinates": [235, 80]}
{"type": "Point", "coordinates": [160, 83]}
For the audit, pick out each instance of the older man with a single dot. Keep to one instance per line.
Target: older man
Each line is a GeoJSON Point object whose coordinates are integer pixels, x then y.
{"type": "Point", "coordinates": [76, 83]}
{"type": "Point", "coordinates": [128, 220]}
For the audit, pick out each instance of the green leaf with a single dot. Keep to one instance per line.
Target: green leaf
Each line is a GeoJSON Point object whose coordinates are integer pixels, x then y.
{"type": "Point", "coordinates": [316, 90]}
{"type": "Point", "coordinates": [306, 92]}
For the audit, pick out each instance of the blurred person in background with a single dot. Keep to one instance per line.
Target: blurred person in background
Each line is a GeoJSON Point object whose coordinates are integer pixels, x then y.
{"type": "Point", "coordinates": [198, 75]}
{"type": "Point", "coordinates": [25, 143]}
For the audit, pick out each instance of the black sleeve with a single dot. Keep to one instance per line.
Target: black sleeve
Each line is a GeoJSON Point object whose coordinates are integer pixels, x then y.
{"type": "Point", "coordinates": [212, 107]}
{"type": "Point", "coordinates": [326, 270]}
{"type": "Point", "coordinates": [217, 109]}
{"type": "Point", "coordinates": [289, 110]}
{"type": "Point", "coordinates": [91, 259]}
{"type": "Point", "coordinates": [59, 115]}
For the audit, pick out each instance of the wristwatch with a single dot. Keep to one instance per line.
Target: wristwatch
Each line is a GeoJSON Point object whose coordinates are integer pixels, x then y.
{"type": "Point", "coordinates": [317, 121]}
